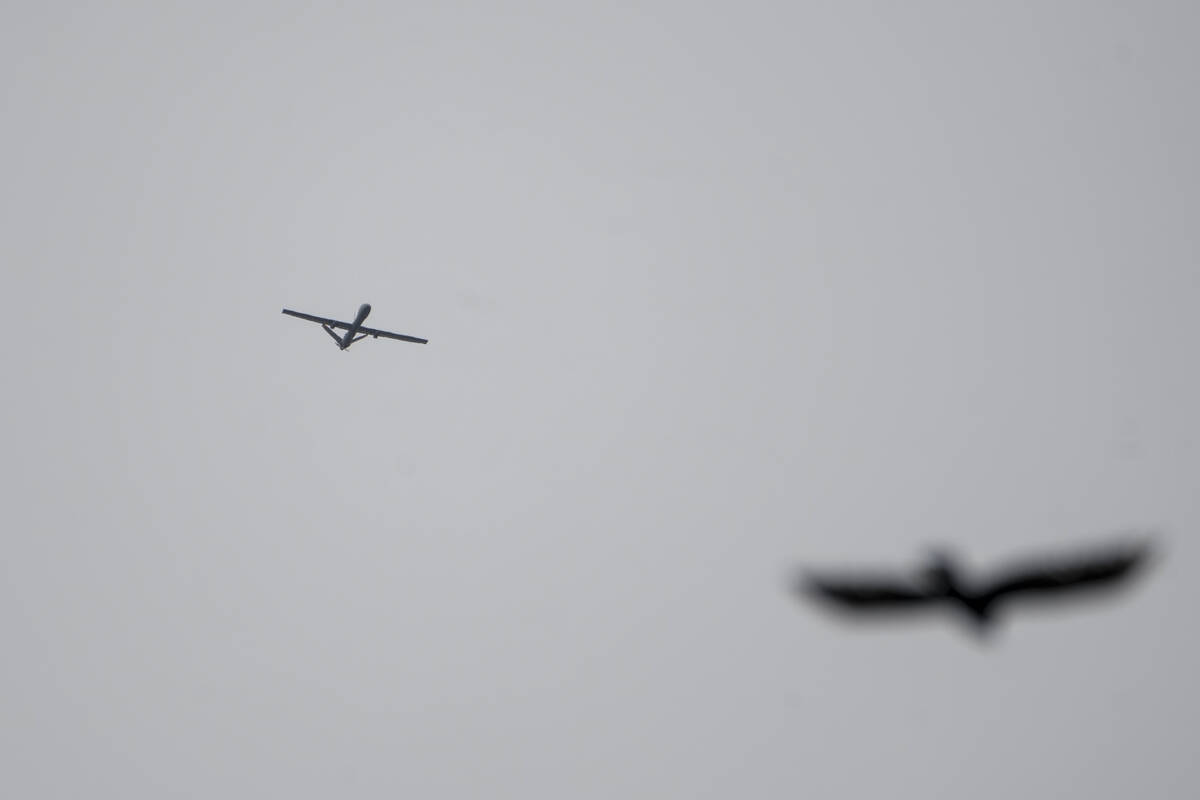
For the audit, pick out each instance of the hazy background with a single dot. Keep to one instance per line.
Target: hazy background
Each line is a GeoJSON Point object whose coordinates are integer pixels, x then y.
{"type": "Point", "coordinates": [712, 290]}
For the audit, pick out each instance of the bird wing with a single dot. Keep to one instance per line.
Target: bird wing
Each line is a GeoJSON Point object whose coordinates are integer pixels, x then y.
{"type": "Point", "coordinates": [864, 593]}
{"type": "Point", "coordinates": [1092, 569]}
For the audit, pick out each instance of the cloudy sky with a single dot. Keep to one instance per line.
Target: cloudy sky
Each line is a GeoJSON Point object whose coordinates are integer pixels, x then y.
{"type": "Point", "coordinates": [712, 291]}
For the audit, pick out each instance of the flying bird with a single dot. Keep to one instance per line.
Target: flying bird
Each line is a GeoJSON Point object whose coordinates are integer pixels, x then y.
{"type": "Point", "coordinates": [942, 583]}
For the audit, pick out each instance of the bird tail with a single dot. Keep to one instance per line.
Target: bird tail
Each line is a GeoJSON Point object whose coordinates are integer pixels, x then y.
{"type": "Point", "coordinates": [981, 617]}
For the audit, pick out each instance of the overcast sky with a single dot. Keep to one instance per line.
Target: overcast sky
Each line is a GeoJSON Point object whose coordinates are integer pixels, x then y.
{"type": "Point", "coordinates": [712, 291]}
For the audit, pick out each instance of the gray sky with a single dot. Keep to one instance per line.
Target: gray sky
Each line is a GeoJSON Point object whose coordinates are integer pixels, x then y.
{"type": "Point", "coordinates": [710, 292]}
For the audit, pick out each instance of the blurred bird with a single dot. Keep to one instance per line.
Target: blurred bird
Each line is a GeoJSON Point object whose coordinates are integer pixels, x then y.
{"type": "Point", "coordinates": [942, 583]}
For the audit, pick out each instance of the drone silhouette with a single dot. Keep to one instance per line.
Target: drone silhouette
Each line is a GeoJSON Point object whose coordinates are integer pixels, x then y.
{"type": "Point", "coordinates": [942, 583]}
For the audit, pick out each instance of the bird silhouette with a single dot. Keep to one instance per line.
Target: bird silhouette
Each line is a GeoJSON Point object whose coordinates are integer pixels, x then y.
{"type": "Point", "coordinates": [942, 582]}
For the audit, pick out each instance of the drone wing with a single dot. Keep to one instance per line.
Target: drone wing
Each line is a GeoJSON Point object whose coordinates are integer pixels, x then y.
{"type": "Point", "coordinates": [390, 335]}
{"type": "Point", "coordinates": [1094, 569]}
{"type": "Point", "coordinates": [333, 323]}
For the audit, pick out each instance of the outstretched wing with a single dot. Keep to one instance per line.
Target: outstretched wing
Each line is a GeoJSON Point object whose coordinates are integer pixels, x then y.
{"type": "Point", "coordinates": [1094, 569]}
{"type": "Point", "coordinates": [864, 593]}
{"type": "Point", "coordinates": [389, 335]}
{"type": "Point", "coordinates": [333, 323]}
